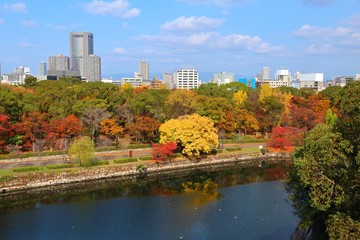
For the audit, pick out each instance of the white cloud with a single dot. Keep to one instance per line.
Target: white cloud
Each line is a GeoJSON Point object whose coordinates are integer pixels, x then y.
{"type": "Point", "coordinates": [220, 3]}
{"type": "Point", "coordinates": [55, 27]}
{"type": "Point", "coordinates": [307, 31]}
{"type": "Point", "coordinates": [117, 8]}
{"type": "Point", "coordinates": [119, 50]}
{"type": "Point", "coordinates": [320, 49]}
{"type": "Point", "coordinates": [213, 40]}
{"type": "Point", "coordinates": [28, 23]}
{"type": "Point", "coordinates": [19, 7]}
{"type": "Point", "coordinates": [2, 21]}
{"type": "Point", "coordinates": [353, 20]}
{"type": "Point", "coordinates": [191, 24]}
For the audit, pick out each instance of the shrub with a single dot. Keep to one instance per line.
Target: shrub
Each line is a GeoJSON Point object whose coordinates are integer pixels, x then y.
{"type": "Point", "coordinates": [163, 152]}
{"type": "Point", "coordinates": [145, 158]}
{"type": "Point", "coordinates": [125, 160]}
{"type": "Point", "coordinates": [59, 166]}
{"type": "Point", "coordinates": [27, 169]}
{"type": "Point", "coordinates": [136, 146]}
{"type": "Point", "coordinates": [100, 163]}
{"type": "Point", "coordinates": [234, 149]}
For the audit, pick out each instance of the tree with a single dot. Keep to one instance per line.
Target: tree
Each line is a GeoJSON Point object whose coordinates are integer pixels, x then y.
{"type": "Point", "coordinates": [213, 108]}
{"type": "Point", "coordinates": [6, 131]}
{"type": "Point", "coordinates": [30, 81]}
{"type": "Point", "coordinates": [82, 151]}
{"type": "Point", "coordinates": [239, 98]}
{"type": "Point", "coordinates": [64, 128]}
{"type": "Point", "coordinates": [195, 134]}
{"type": "Point", "coordinates": [325, 181]}
{"type": "Point", "coordinates": [282, 137]}
{"type": "Point", "coordinates": [163, 152]}
{"type": "Point", "coordinates": [180, 102]}
{"type": "Point", "coordinates": [246, 121]}
{"type": "Point", "coordinates": [143, 128]}
{"type": "Point", "coordinates": [110, 128]}
{"type": "Point", "coordinates": [92, 117]}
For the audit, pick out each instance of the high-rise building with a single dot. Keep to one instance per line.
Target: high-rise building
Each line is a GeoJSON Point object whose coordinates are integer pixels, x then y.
{"type": "Point", "coordinates": [266, 73]}
{"type": "Point", "coordinates": [81, 46]}
{"type": "Point", "coordinates": [168, 79]}
{"type": "Point", "coordinates": [42, 69]}
{"type": "Point", "coordinates": [59, 63]}
{"type": "Point", "coordinates": [144, 70]}
{"type": "Point", "coordinates": [186, 79]}
{"type": "Point", "coordinates": [223, 78]}
{"type": "Point", "coordinates": [92, 68]}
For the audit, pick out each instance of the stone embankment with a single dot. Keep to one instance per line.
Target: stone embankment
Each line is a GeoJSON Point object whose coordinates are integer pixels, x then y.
{"type": "Point", "coordinates": [22, 182]}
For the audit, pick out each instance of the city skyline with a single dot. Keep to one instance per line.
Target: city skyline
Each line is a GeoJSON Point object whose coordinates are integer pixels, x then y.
{"type": "Point", "coordinates": [240, 36]}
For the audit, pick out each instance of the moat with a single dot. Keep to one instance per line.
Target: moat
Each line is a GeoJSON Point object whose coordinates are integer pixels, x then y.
{"type": "Point", "coordinates": [231, 203]}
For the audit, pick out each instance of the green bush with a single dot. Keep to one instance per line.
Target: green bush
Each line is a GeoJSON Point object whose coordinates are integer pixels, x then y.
{"type": "Point", "coordinates": [176, 155]}
{"type": "Point", "coordinates": [59, 166]}
{"type": "Point", "coordinates": [233, 149]}
{"type": "Point", "coordinates": [27, 169]}
{"type": "Point", "coordinates": [125, 160]}
{"type": "Point", "coordinates": [145, 158]}
{"type": "Point", "coordinates": [100, 163]}
{"type": "Point", "coordinates": [136, 146]}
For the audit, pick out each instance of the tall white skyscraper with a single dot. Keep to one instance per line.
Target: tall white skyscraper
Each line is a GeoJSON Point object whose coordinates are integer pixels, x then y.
{"type": "Point", "coordinates": [81, 46]}
{"type": "Point", "coordinates": [144, 70]}
{"type": "Point", "coordinates": [186, 79]}
{"type": "Point", "coordinates": [266, 73]}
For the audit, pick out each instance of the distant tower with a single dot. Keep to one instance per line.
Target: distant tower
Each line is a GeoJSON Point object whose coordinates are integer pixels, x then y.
{"type": "Point", "coordinates": [266, 73]}
{"type": "Point", "coordinates": [42, 68]}
{"type": "Point", "coordinates": [81, 46]}
{"type": "Point", "coordinates": [144, 70]}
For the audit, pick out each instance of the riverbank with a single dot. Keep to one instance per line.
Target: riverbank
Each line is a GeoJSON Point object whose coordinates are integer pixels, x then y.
{"type": "Point", "coordinates": [23, 182]}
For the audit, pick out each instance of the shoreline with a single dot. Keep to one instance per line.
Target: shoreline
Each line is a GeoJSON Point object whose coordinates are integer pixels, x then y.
{"type": "Point", "coordinates": [38, 180]}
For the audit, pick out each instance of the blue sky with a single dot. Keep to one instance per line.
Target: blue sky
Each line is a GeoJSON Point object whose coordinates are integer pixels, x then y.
{"type": "Point", "coordinates": [240, 36]}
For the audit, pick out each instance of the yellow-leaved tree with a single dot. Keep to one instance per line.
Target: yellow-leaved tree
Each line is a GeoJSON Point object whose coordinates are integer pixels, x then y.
{"type": "Point", "coordinates": [239, 98]}
{"type": "Point", "coordinates": [196, 134]}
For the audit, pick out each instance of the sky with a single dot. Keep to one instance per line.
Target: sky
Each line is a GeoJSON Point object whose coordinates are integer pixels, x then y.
{"type": "Point", "coordinates": [240, 36]}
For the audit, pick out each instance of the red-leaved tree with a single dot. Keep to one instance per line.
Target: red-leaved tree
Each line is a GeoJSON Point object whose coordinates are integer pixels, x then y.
{"type": "Point", "coordinates": [163, 152]}
{"type": "Point", "coordinates": [282, 137]}
{"type": "Point", "coordinates": [6, 131]}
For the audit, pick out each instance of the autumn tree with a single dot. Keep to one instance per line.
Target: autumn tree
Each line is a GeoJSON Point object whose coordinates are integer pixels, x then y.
{"type": "Point", "coordinates": [213, 108]}
{"type": "Point", "coordinates": [194, 133]}
{"type": "Point", "coordinates": [239, 98]}
{"type": "Point", "coordinates": [6, 131]}
{"type": "Point", "coordinates": [144, 128]}
{"type": "Point", "coordinates": [111, 128]}
{"type": "Point", "coordinates": [180, 102]}
{"type": "Point", "coordinates": [246, 121]}
{"type": "Point", "coordinates": [65, 128]}
{"type": "Point", "coordinates": [282, 137]}
{"type": "Point", "coordinates": [91, 119]}
{"type": "Point", "coordinates": [34, 128]}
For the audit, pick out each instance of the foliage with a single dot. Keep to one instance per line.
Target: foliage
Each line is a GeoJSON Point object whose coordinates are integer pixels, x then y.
{"type": "Point", "coordinates": [179, 103]}
{"type": "Point", "coordinates": [195, 134]}
{"type": "Point", "coordinates": [6, 131]}
{"type": "Point", "coordinates": [213, 108]}
{"type": "Point", "coordinates": [163, 152]}
{"type": "Point", "coordinates": [82, 151]}
{"type": "Point", "coordinates": [239, 98]}
{"type": "Point", "coordinates": [144, 128]}
{"type": "Point", "coordinates": [26, 169]}
{"type": "Point", "coordinates": [92, 117]}
{"type": "Point", "coordinates": [282, 137]}
{"type": "Point", "coordinates": [341, 226]}
{"type": "Point", "coordinates": [30, 81]}
{"type": "Point", "coordinates": [330, 118]}
{"type": "Point", "coordinates": [234, 149]}
{"type": "Point", "coordinates": [111, 128]}
{"type": "Point", "coordinates": [325, 181]}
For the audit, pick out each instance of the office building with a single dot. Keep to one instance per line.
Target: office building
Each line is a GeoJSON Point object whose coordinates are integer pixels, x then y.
{"type": "Point", "coordinates": [144, 70]}
{"type": "Point", "coordinates": [59, 63]}
{"type": "Point", "coordinates": [81, 46]}
{"type": "Point", "coordinates": [308, 80]}
{"type": "Point", "coordinates": [42, 69]}
{"type": "Point", "coordinates": [223, 78]}
{"type": "Point", "coordinates": [92, 68]}
{"type": "Point", "coordinates": [168, 79]}
{"type": "Point", "coordinates": [186, 79]}
{"type": "Point", "coordinates": [133, 81]}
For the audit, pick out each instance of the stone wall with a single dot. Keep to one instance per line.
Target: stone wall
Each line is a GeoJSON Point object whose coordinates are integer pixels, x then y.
{"type": "Point", "coordinates": [23, 182]}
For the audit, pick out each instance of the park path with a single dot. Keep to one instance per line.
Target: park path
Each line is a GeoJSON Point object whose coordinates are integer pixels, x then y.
{"type": "Point", "coordinates": [107, 155]}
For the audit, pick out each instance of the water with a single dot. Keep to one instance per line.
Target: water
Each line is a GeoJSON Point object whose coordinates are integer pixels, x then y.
{"type": "Point", "coordinates": [231, 204]}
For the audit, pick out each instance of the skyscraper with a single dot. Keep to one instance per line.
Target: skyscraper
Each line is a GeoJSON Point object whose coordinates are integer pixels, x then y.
{"type": "Point", "coordinates": [186, 79]}
{"type": "Point", "coordinates": [42, 69]}
{"type": "Point", "coordinates": [144, 70]}
{"type": "Point", "coordinates": [92, 68]}
{"type": "Point", "coordinates": [81, 46]}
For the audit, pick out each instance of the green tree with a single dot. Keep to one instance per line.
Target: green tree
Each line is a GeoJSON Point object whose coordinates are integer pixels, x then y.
{"type": "Point", "coordinates": [179, 103]}
{"type": "Point", "coordinates": [82, 151]}
{"type": "Point", "coordinates": [30, 81]}
{"type": "Point", "coordinates": [195, 134]}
